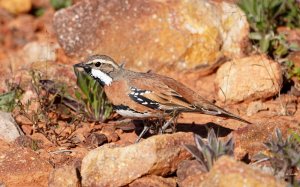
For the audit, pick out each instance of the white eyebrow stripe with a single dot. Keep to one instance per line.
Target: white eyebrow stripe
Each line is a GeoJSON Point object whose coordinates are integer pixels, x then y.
{"type": "Point", "coordinates": [103, 61]}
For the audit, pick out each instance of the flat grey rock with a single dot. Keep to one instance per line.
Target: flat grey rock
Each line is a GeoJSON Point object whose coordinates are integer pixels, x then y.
{"type": "Point", "coordinates": [9, 129]}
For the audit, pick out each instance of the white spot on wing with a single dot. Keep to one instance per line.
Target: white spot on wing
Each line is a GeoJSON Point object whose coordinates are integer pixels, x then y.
{"type": "Point", "coordinates": [133, 114]}
{"type": "Point", "coordinates": [102, 76]}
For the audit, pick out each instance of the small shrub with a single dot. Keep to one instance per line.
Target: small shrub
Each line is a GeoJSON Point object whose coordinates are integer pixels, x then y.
{"type": "Point", "coordinates": [93, 97]}
{"type": "Point", "coordinates": [38, 12]}
{"type": "Point", "coordinates": [46, 117]}
{"type": "Point", "coordinates": [59, 4]}
{"type": "Point", "coordinates": [292, 70]}
{"type": "Point", "coordinates": [8, 100]}
{"type": "Point", "coordinates": [283, 154]}
{"type": "Point", "coordinates": [264, 16]}
{"type": "Point", "coordinates": [208, 152]}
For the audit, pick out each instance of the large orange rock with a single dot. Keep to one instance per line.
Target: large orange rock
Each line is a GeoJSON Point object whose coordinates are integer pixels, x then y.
{"type": "Point", "coordinates": [119, 166]}
{"type": "Point", "coordinates": [39, 57]}
{"type": "Point", "coordinates": [16, 6]}
{"type": "Point", "coordinates": [227, 172]}
{"type": "Point", "coordinates": [22, 166]}
{"type": "Point", "coordinates": [156, 35]}
{"type": "Point", "coordinates": [249, 78]}
{"type": "Point", "coordinates": [153, 180]}
{"type": "Point", "coordinates": [249, 140]}
{"type": "Point", "coordinates": [65, 176]}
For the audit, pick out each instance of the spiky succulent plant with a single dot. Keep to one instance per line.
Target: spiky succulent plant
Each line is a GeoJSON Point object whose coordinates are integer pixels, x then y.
{"type": "Point", "coordinates": [283, 154]}
{"type": "Point", "coordinates": [208, 151]}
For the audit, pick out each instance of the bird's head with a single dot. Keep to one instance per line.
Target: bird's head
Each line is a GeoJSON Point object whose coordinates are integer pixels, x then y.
{"type": "Point", "coordinates": [100, 67]}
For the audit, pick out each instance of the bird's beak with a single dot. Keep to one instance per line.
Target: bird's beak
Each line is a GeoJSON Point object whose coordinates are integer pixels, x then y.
{"type": "Point", "coordinates": [79, 65]}
{"type": "Point", "coordinates": [84, 66]}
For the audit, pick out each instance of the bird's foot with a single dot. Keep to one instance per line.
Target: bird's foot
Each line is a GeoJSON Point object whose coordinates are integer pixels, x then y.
{"type": "Point", "coordinates": [169, 122]}
{"type": "Point", "coordinates": [145, 130]}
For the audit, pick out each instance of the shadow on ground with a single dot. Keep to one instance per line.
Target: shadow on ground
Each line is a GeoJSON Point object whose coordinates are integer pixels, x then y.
{"type": "Point", "coordinates": [200, 129]}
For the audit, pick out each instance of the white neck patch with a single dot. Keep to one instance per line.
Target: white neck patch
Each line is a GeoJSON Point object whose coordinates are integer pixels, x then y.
{"type": "Point", "coordinates": [102, 76]}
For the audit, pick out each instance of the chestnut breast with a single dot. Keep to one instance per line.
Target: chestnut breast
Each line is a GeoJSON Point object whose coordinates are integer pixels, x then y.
{"type": "Point", "coordinates": [118, 94]}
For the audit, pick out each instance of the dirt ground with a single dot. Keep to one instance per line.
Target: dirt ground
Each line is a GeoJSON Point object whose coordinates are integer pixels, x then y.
{"type": "Point", "coordinates": [62, 137]}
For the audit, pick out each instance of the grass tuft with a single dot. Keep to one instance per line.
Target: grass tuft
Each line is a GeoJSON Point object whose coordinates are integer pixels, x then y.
{"type": "Point", "coordinates": [92, 97]}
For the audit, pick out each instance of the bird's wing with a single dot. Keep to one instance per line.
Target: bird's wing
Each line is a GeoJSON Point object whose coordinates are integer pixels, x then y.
{"type": "Point", "coordinates": [157, 95]}
{"type": "Point", "coordinates": [158, 92]}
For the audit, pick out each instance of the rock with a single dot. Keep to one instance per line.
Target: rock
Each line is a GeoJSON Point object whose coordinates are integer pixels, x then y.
{"type": "Point", "coordinates": [153, 180]}
{"type": "Point", "coordinates": [39, 51]}
{"type": "Point", "coordinates": [30, 99]}
{"type": "Point", "coordinates": [41, 3]}
{"type": "Point", "coordinates": [286, 105]}
{"type": "Point", "coordinates": [5, 17]}
{"type": "Point", "coordinates": [188, 167]}
{"type": "Point", "coordinates": [295, 58]}
{"type": "Point", "coordinates": [249, 140]}
{"type": "Point", "coordinates": [189, 173]}
{"type": "Point", "coordinates": [255, 107]}
{"type": "Point", "coordinates": [19, 31]}
{"type": "Point", "coordinates": [9, 130]}
{"type": "Point", "coordinates": [227, 172]}
{"type": "Point", "coordinates": [234, 84]}
{"type": "Point", "coordinates": [109, 132]}
{"type": "Point", "coordinates": [157, 155]}
{"type": "Point", "coordinates": [96, 139]}
{"type": "Point", "coordinates": [65, 176]}
{"type": "Point", "coordinates": [154, 34]}
{"type": "Point", "coordinates": [26, 141]}
{"type": "Point", "coordinates": [16, 6]}
{"type": "Point", "coordinates": [34, 56]}
{"type": "Point", "coordinates": [22, 167]}
{"type": "Point", "coordinates": [292, 36]}
{"type": "Point", "coordinates": [193, 180]}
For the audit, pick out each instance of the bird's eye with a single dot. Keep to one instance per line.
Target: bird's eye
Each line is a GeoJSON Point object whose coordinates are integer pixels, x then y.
{"type": "Point", "coordinates": [97, 64]}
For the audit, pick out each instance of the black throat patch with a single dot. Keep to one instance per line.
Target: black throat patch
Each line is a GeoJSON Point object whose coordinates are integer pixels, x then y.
{"type": "Point", "coordinates": [98, 80]}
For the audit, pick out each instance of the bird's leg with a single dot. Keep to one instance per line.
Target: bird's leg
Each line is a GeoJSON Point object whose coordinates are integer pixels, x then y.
{"type": "Point", "coordinates": [160, 123]}
{"type": "Point", "coordinates": [154, 128]}
{"type": "Point", "coordinates": [167, 124]}
{"type": "Point", "coordinates": [145, 130]}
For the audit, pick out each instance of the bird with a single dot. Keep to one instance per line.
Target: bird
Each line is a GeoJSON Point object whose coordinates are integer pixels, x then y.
{"type": "Point", "coordinates": [147, 95]}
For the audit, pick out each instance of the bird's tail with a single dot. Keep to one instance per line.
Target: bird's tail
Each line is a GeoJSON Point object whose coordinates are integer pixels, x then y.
{"type": "Point", "coordinates": [211, 109]}
{"type": "Point", "coordinates": [233, 116]}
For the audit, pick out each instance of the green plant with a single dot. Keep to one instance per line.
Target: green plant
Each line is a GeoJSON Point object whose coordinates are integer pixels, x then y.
{"type": "Point", "coordinates": [8, 100]}
{"type": "Point", "coordinates": [283, 154]}
{"type": "Point", "coordinates": [38, 11]}
{"type": "Point", "coordinates": [295, 136]}
{"type": "Point", "coordinates": [264, 16]}
{"type": "Point", "coordinates": [292, 70]}
{"type": "Point", "coordinates": [59, 4]}
{"type": "Point", "coordinates": [34, 145]}
{"type": "Point", "coordinates": [93, 97]}
{"type": "Point", "coordinates": [207, 152]}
